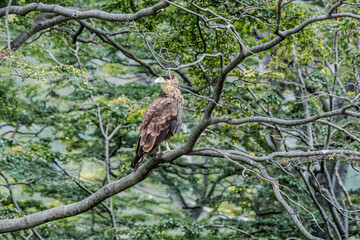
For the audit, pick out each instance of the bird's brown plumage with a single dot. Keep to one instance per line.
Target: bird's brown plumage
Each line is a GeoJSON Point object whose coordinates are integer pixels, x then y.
{"type": "Point", "coordinates": [162, 120]}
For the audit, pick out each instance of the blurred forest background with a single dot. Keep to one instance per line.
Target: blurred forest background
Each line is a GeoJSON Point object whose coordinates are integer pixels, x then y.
{"type": "Point", "coordinates": [269, 146]}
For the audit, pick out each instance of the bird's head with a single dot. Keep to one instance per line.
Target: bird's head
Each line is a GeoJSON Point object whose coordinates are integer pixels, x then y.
{"type": "Point", "coordinates": [168, 83]}
{"type": "Point", "coordinates": [166, 80]}
{"type": "Point", "coordinates": [170, 86]}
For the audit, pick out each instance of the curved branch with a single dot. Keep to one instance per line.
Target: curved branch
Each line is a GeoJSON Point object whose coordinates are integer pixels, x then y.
{"type": "Point", "coordinates": [352, 136]}
{"type": "Point", "coordinates": [236, 155]}
{"type": "Point", "coordinates": [32, 220]}
{"type": "Point", "coordinates": [76, 14]}
{"type": "Point", "coordinates": [276, 188]}
{"type": "Point", "coordinates": [35, 219]}
{"type": "Point", "coordinates": [37, 27]}
{"type": "Point", "coordinates": [105, 38]}
{"type": "Point", "coordinates": [279, 121]}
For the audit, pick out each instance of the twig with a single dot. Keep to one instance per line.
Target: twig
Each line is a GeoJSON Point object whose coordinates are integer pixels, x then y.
{"type": "Point", "coordinates": [6, 25]}
{"type": "Point", "coordinates": [278, 20]}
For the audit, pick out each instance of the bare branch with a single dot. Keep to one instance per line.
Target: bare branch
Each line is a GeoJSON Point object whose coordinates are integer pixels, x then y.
{"type": "Point", "coordinates": [352, 136]}
{"type": "Point", "coordinates": [278, 20]}
{"type": "Point", "coordinates": [279, 121]}
{"type": "Point", "coordinates": [104, 37]}
{"type": "Point", "coordinates": [37, 27]}
{"type": "Point", "coordinates": [237, 155]}
{"type": "Point", "coordinates": [6, 24]}
{"type": "Point", "coordinates": [79, 14]}
{"type": "Point", "coordinates": [32, 220]}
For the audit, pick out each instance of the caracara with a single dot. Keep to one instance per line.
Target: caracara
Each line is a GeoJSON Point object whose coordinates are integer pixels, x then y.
{"type": "Point", "coordinates": [161, 121]}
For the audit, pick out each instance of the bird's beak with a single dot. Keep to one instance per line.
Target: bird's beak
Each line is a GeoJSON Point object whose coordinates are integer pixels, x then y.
{"type": "Point", "coordinates": [160, 80]}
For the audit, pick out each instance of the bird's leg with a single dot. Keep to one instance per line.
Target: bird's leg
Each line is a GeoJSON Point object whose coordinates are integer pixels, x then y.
{"type": "Point", "coordinates": [167, 147]}
{"type": "Point", "coordinates": [159, 151]}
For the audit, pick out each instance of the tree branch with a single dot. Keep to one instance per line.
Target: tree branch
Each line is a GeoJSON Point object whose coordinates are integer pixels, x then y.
{"type": "Point", "coordinates": [279, 121]}
{"type": "Point", "coordinates": [35, 219]}
{"type": "Point", "coordinates": [6, 24]}
{"type": "Point", "coordinates": [79, 14]}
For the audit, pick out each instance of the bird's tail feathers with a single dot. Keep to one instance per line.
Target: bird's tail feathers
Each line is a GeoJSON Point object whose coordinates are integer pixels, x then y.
{"type": "Point", "coordinates": [136, 162]}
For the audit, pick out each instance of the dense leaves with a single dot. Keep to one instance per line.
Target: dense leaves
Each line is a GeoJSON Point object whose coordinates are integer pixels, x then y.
{"type": "Point", "coordinates": [60, 95]}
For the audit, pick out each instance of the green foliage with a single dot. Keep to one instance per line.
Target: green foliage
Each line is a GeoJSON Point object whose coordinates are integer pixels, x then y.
{"type": "Point", "coordinates": [52, 146]}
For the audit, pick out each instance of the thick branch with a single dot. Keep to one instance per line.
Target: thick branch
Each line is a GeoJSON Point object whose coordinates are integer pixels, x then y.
{"type": "Point", "coordinates": [76, 14]}
{"type": "Point", "coordinates": [37, 27]}
{"type": "Point", "coordinates": [35, 219]}
{"type": "Point", "coordinates": [111, 189]}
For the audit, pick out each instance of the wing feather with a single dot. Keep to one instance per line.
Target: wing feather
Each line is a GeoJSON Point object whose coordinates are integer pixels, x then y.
{"type": "Point", "coordinates": [162, 120]}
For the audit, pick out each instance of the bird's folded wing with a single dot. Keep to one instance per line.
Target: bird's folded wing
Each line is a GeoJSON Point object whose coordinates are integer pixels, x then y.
{"type": "Point", "coordinates": [161, 121]}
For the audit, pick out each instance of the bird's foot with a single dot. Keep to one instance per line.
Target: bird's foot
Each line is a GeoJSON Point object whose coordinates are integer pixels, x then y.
{"type": "Point", "coordinates": [167, 147]}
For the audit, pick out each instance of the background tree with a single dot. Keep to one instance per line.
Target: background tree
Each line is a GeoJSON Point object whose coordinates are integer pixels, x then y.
{"type": "Point", "coordinates": [268, 146]}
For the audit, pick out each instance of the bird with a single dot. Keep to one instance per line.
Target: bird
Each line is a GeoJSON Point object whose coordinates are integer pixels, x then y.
{"type": "Point", "coordinates": [162, 119]}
